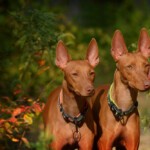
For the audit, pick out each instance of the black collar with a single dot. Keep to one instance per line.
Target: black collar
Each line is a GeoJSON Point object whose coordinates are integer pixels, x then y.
{"type": "Point", "coordinates": [118, 113]}
{"type": "Point", "coordinates": [77, 120]}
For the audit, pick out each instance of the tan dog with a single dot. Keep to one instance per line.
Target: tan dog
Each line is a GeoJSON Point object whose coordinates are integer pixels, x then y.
{"type": "Point", "coordinates": [115, 107]}
{"type": "Point", "coordinates": [67, 114]}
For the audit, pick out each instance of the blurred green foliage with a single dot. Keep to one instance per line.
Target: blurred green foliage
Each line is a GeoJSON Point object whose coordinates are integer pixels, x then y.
{"type": "Point", "coordinates": [28, 71]}
{"type": "Point", "coordinates": [35, 35]}
{"type": "Point", "coordinates": [30, 31]}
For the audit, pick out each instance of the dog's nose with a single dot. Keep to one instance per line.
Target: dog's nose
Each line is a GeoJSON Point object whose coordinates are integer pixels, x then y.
{"type": "Point", "coordinates": [90, 90]}
{"type": "Point", "coordinates": [146, 84]}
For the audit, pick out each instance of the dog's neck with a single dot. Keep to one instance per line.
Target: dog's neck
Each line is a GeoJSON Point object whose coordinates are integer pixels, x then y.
{"type": "Point", "coordinates": [123, 95]}
{"type": "Point", "coordinates": [73, 104]}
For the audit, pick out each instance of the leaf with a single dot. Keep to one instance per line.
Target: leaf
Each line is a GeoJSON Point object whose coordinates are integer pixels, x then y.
{"type": "Point", "coordinates": [1, 132]}
{"type": "Point", "coordinates": [37, 108]}
{"type": "Point", "coordinates": [17, 91]}
{"type": "Point", "coordinates": [27, 119]}
{"type": "Point", "coordinates": [68, 35]}
{"type": "Point", "coordinates": [15, 139]}
{"type": "Point", "coordinates": [9, 131]}
{"type": "Point", "coordinates": [16, 130]}
{"type": "Point", "coordinates": [12, 120]}
{"type": "Point", "coordinates": [30, 100]}
{"type": "Point", "coordinates": [41, 62]}
{"type": "Point", "coordinates": [16, 112]}
{"type": "Point", "coordinates": [9, 136]}
{"type": "Point", "coordinates": [2, 121]}
{"type": "Point", "coordinates": [43, 70]}
{"type": "Point", "coordinates": [6, 110]}
{"type": "Point", "coordinates": [26, 142]}
{"type": "Point", "coordinates": [7, 127]}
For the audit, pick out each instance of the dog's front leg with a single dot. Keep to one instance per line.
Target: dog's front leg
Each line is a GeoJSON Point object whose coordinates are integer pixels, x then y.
{"type": "Point", "coordinates": [132, 142]}
{"type": "Point", "coordinates": [86, 143]}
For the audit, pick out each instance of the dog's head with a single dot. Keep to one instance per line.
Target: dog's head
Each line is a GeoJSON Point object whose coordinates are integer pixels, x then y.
{"type": "Point", "coordinates": [133, 67]}
{"type": "Point", "coordinates": [78, 74]}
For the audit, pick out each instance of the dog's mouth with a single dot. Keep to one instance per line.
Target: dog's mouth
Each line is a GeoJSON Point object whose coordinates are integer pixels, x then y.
{"type": "Point", "coordinates": [85, 94]}
{"type": "Point", "coordinates": [144, 90]}
{"type": "Point", "coordinates": [92, 93]}
{"type": "Point", "coordinates": [139, 88]}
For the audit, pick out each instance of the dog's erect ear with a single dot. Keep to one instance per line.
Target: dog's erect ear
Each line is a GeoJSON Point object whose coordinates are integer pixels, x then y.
{"type": "Point", "coordinates": [62, 56]}
{"type": "Point", "coordinates": [144, 43]}
{"type": "Point", "coordinates": [118, 46]}
{"type": "Point", "coordinates": [92, 53]}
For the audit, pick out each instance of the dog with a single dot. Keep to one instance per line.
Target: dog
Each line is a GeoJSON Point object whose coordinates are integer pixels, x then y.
{"type": "Point", "coordinates": [67, 114]}
{"type": "Point", "coordinates": [115, 107]}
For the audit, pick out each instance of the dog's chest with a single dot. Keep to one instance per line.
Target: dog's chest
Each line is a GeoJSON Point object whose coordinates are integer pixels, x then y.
{"type": "Point", "coordinates": [71, 133]}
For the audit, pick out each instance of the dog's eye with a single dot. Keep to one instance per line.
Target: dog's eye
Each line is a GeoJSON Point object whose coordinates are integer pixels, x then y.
{"type": "Point", "coordinates": [147, 65]}
{"type": "Point", "coordinates": [92, 73]}
{"type": "Point", "coordinates": [130, 67]}
{"type": "Point", "coordinates": [74, 74]}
